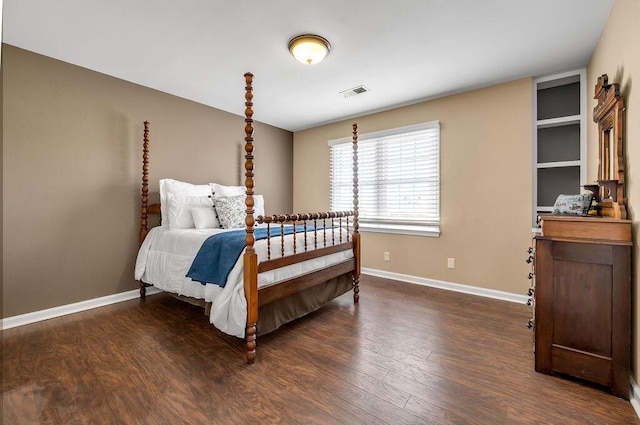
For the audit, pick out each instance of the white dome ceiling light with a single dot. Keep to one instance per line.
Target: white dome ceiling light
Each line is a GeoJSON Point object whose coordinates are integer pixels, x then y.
{"type": "Point", "coordinates": [309, 49]}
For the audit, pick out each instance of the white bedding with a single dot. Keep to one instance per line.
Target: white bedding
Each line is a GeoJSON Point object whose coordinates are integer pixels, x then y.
{"type": "Point", "coordinates": [166, 255]}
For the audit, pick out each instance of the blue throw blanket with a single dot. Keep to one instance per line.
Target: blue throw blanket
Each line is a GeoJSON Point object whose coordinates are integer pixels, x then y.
{"type": "Point", "coordinates": [219, 253]}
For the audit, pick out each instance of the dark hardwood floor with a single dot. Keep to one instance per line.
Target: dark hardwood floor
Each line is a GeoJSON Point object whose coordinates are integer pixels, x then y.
{"type": "Point", "coordinates": [406, 355]}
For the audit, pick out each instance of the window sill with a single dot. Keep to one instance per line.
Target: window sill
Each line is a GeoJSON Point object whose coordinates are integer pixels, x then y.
{"type": "Point", "coordinates": [428, 231]}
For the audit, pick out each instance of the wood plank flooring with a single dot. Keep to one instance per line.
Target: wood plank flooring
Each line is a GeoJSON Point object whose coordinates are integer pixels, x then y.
{"type": "Point", "coordinates": [406, 355]}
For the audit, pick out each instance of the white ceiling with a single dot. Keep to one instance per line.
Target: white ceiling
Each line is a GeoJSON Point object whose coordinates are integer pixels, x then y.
{"type": "Point", "coordinates": [404, 51]}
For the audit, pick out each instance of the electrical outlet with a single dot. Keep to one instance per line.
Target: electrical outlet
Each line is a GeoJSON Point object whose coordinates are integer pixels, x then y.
{"type": "Point", "coordinates": [386, 256]}
{"type": "Point", "coordinates": [451, 263]}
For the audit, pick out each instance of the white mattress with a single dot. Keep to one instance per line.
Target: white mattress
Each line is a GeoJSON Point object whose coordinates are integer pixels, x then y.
{"type": "Point", "coordinates": [166, 255]}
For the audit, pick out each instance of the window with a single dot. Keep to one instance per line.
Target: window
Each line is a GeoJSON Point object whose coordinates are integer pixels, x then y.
{"type": "Point", "coordinates": [398, 179]}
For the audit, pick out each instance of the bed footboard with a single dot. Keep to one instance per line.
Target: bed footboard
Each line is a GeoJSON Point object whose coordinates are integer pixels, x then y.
{"type": "Point", "coordinates": [316, 235]}
{"type": "Point", "coordinates": [292, 239]}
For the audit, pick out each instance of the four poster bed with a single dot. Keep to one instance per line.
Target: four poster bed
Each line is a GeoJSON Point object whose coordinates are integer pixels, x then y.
{"type": "Point", "coordinates": [286, 265]}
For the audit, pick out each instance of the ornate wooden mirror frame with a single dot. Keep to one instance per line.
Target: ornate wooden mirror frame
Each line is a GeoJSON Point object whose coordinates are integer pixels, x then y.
{"type": "Point", "coordinates": [609, 116]}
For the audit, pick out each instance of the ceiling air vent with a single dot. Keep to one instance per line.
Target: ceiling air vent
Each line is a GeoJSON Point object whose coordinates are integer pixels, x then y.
{"type": "Point", "coordinates": [354, 91]}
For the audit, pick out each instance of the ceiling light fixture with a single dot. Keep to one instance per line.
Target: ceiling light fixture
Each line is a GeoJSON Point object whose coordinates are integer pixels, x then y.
{"type": "Point", "coordinates": [309, 49]}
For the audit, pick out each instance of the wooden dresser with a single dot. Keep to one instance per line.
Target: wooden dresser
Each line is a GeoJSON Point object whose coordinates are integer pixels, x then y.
{"type": "Point", "coordinates": [583, 299]}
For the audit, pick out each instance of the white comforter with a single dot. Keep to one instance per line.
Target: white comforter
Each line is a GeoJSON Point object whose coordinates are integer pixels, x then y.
{"type": "Point", "coordinates": [166, 255]}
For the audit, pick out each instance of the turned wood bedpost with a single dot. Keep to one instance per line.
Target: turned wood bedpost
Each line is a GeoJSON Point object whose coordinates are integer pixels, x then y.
{"type": "Point", "coordinates": [145, 192]}
{"type": "Point", "coordinates": [145, 183]}
{"type": "Point", "coordinates": [356, 233]}
{"type": "Point", "coordinates": [250, 258]}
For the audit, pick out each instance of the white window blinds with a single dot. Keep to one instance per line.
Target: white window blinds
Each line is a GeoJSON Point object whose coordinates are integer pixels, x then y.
{"type": "Point", "coordinates": [398, 173]}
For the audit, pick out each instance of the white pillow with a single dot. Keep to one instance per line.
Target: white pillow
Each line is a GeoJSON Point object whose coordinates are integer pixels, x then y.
{"type": "Point", "coordinates": [178, 188]}
{"type": "Point", "coordinates": [179, 210]}
{"type": "Point", "coordinates": [258, 205]}
{"type": "Point", "coordinates": [220, 190]}
{"type": "Point", "coordinates": [205, 217]}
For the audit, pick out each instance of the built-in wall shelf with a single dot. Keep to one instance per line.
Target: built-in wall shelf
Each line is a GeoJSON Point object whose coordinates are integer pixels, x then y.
{"type": "Point", "coordinates": [559, 138]}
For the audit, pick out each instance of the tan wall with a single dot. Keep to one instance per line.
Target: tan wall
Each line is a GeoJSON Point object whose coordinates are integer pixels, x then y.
{"type": "Point", "coordinates": [72, 169]}
{"type": "Point", "coordinates": [486, 187]}
{"type": "Point", "coordinates": [618, 56]}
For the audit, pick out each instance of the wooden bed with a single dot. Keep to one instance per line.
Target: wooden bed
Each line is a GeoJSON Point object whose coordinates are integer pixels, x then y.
{"type": "Point", "coordinates": [321, 285]}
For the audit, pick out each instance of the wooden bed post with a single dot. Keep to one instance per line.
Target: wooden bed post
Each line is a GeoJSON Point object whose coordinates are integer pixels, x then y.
{"type": "Point", "coordinates": [356, 233]}
{"type": "Point", "coordinates": [250, 258]}
{"type": "Point", "coordinates": [145, 192]}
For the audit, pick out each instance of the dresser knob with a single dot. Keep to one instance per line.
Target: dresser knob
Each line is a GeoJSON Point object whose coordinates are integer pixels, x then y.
{"type": "Point", "coordinates": [529, 301]}
{"type": "Point", "coordinates": [530, 250]}
{"type": "Point", "coordinates": [530, 323]}
{"type": "Point", "coordinates": [529, 259]}
{"type": "Point", "coordinates": [530, 276]}
{"type": "Point", "coordinates": [531, 291]}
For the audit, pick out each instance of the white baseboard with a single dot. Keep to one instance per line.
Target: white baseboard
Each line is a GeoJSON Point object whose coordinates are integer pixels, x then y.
{"type": "Point", "coordinates": [50, 313]}
{"type": "Point", "coordinates": [457, 287]}
{"type": "Point", "coordinates": [634, 397]}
